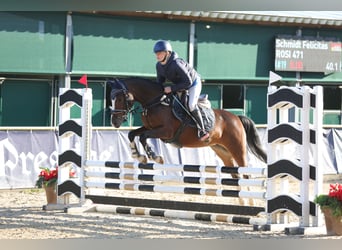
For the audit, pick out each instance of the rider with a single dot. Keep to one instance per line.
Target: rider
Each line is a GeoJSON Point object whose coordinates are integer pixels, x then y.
{"type": "Point", "coordinates": [183, 76]}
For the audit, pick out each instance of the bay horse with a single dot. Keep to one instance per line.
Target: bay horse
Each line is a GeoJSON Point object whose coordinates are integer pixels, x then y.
{"type": "Point", "coordinates": [229, 137]}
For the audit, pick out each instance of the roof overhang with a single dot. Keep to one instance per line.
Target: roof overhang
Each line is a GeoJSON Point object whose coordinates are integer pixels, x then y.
{"type": "Point", "coordinates": [317, 19]}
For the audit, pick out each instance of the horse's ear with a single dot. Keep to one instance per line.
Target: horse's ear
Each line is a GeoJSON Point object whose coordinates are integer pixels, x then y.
{"type": "Point", "coordinates": [112, 83]}
{"type": "Point", "coordinates": [130, 97]}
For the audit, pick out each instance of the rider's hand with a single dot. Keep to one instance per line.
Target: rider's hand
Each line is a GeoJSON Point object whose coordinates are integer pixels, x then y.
{"type": "Point", "coordinates": [167, 90]}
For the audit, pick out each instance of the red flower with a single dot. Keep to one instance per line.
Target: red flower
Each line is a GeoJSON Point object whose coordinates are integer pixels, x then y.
{"type": "Point", "coordinates": [48, 174]}
{"type": "Point", "coordinates": [336, 191]}
{"type": "Point", "coordinates": [48, 177]}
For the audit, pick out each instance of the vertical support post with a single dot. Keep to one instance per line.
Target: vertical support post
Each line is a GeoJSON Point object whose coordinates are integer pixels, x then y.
{"type": "Point", "coordinates": [192, 44]}
{"type": "Point", "coordinates": [284, 184]}
{"type": "Point", "coordinates": [63, 143]}
{"type": "Point", "coordinates": [318, 126]}
{"type": "Point", "coordinates": [68, 48]}
{"type": "Point", "coordinates": [272, 151]}
{"type": "Point", "coordinates": [305, 165]}
{"type": "Point", "coordinates": [298, 76]}
{"type": "Point", "coordinates": [86, 116]}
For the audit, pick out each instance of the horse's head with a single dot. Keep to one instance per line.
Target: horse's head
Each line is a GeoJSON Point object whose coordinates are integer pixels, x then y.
{"type": "Point", "coordinates": [121, 102]}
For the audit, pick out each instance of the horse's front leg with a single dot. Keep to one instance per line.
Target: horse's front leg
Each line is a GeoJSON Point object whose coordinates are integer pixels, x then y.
{"type": "Point", "coordinates": [134, 149]}
{"type": "Point", "coordinates": [148, 149]}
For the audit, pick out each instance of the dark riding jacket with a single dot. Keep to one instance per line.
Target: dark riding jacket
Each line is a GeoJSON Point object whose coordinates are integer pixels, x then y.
{"type": "Point", "coordinates": [177, 71]}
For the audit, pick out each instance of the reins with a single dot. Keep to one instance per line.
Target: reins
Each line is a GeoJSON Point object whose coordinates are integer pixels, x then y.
{"type": "Point", "coordinates": [128, 106]}
{"type": "Point", "coordinates": [141, 108]}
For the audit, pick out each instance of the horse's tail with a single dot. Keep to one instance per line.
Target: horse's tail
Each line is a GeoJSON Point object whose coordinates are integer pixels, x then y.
{"type": "Point", "coordinates": [253, 139]}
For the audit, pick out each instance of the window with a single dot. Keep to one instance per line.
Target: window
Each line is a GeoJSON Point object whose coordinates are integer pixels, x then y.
{"type": "Point", "coordinates": [332, 105]}
{"type": "Point", "coordinates": [233, 99]}
{"type": "Point", "coordinates": [332, 97]}
{"type": "Point", "coordinates": [233, 96]}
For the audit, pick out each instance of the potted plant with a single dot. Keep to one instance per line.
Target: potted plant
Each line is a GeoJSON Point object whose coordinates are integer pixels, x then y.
{"type": "Point", "coordinates": [331, 207]}
{"type": "Point", "coordinates": [47, 179]}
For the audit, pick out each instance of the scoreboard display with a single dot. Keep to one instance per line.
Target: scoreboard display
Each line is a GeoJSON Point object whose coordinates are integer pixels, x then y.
{"type": "Point", "coordinates": [303, 54]}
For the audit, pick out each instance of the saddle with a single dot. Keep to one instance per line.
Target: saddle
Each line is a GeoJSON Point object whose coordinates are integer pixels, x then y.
{"type": "Point", "coordinates": [180, 111]}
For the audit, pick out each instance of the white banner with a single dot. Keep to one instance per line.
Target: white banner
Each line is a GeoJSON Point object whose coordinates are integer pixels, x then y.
{"type": "Point", "coordinates": [22, 153]}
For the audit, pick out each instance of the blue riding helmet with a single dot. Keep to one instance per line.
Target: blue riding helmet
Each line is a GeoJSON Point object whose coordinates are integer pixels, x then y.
{"type": "Point", "coordinates": [162, 45]}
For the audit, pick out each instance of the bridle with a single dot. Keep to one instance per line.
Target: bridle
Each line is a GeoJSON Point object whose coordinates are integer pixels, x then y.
{"type": "Point", "coordinates": [128, 101]}
{"type": "Point", "coordinates": [120, 87]}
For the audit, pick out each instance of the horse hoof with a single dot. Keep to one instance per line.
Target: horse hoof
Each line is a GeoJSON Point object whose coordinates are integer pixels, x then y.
{"type": "Point", "coordinates": [142, 159]}
{"type": "Point", "coordinates": [159, 159]}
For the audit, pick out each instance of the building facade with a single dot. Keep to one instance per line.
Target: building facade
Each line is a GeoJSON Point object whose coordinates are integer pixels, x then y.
{"type": "Point", "coordinates": [233, 51]}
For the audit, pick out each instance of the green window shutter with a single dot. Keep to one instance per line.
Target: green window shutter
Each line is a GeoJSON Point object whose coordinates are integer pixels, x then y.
{"type": "Point", "coordinates": [122, 46]}
{"type": "Point", "coordinates": [256, 103]}
{"type": "Point", "coordinates": [32, 42]}
{"type": "Point", "coordinates": [26, 103]}
{"type": "Point", "coordinates": [232, 51]}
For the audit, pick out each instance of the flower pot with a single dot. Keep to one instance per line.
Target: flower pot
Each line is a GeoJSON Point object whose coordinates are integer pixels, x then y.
{"type": "Point", "coordinates": [50, 192]}
{"type": "Point", "coordinates": [333, 223]}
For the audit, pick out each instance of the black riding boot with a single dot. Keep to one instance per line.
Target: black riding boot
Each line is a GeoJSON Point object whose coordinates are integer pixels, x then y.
{"type": "Point", "coordinates": [202, 134]}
